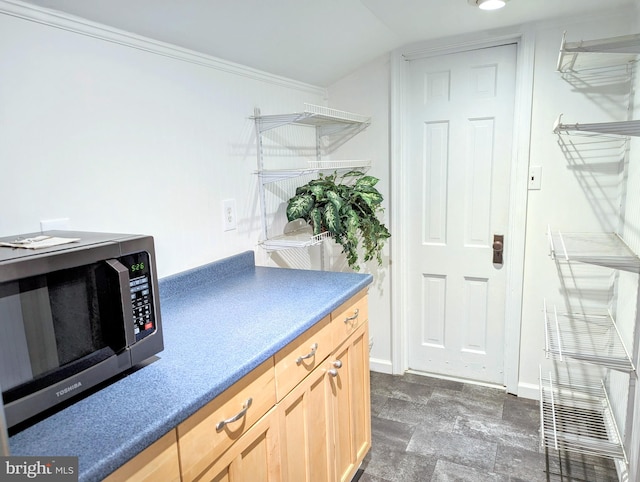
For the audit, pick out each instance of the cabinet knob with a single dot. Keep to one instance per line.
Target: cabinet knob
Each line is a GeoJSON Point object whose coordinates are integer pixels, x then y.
{"type": "Point", "coordinates": [334, 371]}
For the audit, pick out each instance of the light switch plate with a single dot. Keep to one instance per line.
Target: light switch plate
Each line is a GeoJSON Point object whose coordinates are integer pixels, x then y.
{"type": "Point", "coordinates": [535, 177]}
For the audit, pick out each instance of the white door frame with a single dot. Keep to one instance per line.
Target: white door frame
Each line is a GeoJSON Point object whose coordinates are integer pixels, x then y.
{"type": "Point", "coordinates": [400, 174]}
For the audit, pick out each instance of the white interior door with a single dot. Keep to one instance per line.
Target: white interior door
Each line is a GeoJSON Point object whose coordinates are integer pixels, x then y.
{"type": "Point", "coordinates": [461, 111]}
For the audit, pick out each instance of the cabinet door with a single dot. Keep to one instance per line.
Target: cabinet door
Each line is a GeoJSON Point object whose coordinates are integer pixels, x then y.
{"type": "Point", "coordinates": [157, 462]}
{"type": "Point", "coordinates": [351, 410]}
{"type": "Point", "coordinates": [254, 457]}
{"type": "Point", "coordinates": [306, 430]}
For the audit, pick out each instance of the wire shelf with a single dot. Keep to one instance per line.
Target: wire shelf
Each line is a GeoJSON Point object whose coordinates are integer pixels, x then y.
{"type": "Point", "coordinates": [590, 338]}
{"type": "Point", "coordinates": [576, 416]}
{"type": "Point", "coordinates": [340, 165]}
{"type": "Point", "coordinates": [620, 128]}
{"type": "Point", "coordinates": [601, 249]}
{"type": "Point", "coordinates": [619, 50]}
{"type": "Point", "coordinates": [316, 116]}
{"type": "Point", "coordinates": [296, 239]}
{"type": "Point", "coordinates": [313, 167]}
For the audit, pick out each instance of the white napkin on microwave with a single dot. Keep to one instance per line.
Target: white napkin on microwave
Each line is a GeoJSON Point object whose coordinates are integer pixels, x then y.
{"type": "Point", "coordinates": [39, 242]}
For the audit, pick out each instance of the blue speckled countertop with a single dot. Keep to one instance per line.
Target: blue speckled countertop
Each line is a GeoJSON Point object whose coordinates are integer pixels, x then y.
{"type": "Point", "coordinates": [220, 321]}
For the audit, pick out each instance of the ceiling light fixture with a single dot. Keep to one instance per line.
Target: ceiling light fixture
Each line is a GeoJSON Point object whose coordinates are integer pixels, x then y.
{"type": "Point", "coordinates": [488, 4]}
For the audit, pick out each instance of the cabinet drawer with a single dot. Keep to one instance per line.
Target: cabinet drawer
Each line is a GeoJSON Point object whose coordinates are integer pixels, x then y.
{"type": "Point", "coordinates": [200, 438]}
{"type": "Point", "coordinates": [255, 457]}
{"type": "Point", "coordinates": [157, 462]}
{"type": "Point", "coordinates": [301, 356]}
{"type": "Point", "coordinates": [348, 317]}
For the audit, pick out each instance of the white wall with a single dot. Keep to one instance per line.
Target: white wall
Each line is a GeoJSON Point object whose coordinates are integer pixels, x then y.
{"type": "Point", "coordinates": [366, 92]}
{"type": "Point", "coordinates": [118, 138]}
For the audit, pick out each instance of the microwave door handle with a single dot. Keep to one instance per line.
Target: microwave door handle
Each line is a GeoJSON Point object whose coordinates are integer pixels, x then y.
{"type": "Point", "coordinates": [125, 299]}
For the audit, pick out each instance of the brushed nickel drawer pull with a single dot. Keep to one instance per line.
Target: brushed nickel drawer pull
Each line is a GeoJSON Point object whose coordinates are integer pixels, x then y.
{"type": "Point", "coordinates": [354, 317]}
{"type": "Point", "coordinates": [337, 364]}
{"type": "Point", "coordinates": [312, 353]}
{"type": "Point", "coordinates": [236, 417]}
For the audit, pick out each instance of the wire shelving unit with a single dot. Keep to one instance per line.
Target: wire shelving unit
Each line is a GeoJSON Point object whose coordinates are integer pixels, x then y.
{"type": "Point", "coordinates": [332, 129]}
{"type": "Point", "coordinates": [575, 412]}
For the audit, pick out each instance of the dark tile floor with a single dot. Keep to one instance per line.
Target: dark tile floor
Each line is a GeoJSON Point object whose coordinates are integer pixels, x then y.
{"type": "Point", "coordinates": [428, 429]}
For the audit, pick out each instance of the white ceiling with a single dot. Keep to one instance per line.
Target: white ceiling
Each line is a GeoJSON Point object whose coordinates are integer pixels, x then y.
{"type": "Point", "coordinates": [313, 41]}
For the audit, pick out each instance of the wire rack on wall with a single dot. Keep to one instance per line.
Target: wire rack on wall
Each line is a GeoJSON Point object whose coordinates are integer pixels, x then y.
{"type": "Point", "coordinates": [585, 337]}
{"type": "Point", "coordinates": [601, 249]}
{"type": "Point", "coordinates": [620, 128]}
{"type": "Point", "coordinates": [314, 167]}
{"type": "Point", "coordinates": [325, 129]}
{"type": "Point", "coordinates": [576, 416]}
{"type": "Point", "coordinates": [333, 127]}
{"type": "Point", "coordinates": [618, 50]}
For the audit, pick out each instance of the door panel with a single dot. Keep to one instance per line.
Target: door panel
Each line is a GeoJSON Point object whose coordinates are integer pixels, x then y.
{"type": "Point", "coordinates": [460, 142]}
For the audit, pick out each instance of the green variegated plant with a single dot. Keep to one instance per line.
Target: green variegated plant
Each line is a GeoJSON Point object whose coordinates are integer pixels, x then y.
{"type": "Point", "coordinates": [347, 210]}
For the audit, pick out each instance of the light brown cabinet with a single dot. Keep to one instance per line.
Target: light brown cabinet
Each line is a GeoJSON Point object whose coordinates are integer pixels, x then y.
{"type": "Point", "coordinates": [301, 416]}
{"type": "Point", "coordinates": [159, 461]}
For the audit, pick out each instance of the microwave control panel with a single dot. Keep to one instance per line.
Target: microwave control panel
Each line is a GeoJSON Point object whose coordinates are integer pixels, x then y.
{"type": "Point", "coordinates": [141, 296]}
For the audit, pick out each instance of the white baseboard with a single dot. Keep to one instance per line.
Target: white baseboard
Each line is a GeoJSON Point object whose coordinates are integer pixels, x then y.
{"type": "Point", "coordinates": [529, 390]}
{"type": "Point", "coordinates": [381, 366]}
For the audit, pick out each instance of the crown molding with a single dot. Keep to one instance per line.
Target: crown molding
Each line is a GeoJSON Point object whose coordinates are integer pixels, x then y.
{"type": "Point", "coordinates": [81, 26]}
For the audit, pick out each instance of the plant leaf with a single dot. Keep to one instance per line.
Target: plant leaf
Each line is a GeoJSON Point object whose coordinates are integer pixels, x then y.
{"type": "Point", "coordinates": [331, 218]}
{"type": "Point", "coordinates": [352, 225]}
{"type": "Point", "coordinates": [299, 206]}
{"type": "Point", "coordinates": [371, 198]}
{"type": "Point", "coordinates": [335, 199]}
{"type": "Point", "coordinates": [353, 173]}
{"type": "Point", "coordinates": [366, 181]}
{"type": "Point", "coordinates": [315, 216]}
{"type": "Point", "coordinates": [317, 190]}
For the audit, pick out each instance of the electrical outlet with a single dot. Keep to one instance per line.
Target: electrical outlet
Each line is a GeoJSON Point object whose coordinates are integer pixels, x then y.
{"type": "Point", "coordinates": [228, 214]}
{"type": "Point", "coordinates": [54, 224]}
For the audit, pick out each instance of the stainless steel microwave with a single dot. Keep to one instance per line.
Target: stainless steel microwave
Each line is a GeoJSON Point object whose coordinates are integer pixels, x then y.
{"type": "Point", "coordinates": [73, 316]}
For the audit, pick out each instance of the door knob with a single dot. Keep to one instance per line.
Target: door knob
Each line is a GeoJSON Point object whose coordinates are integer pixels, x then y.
{"type": "Point", "coordinates": [498, 247]}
